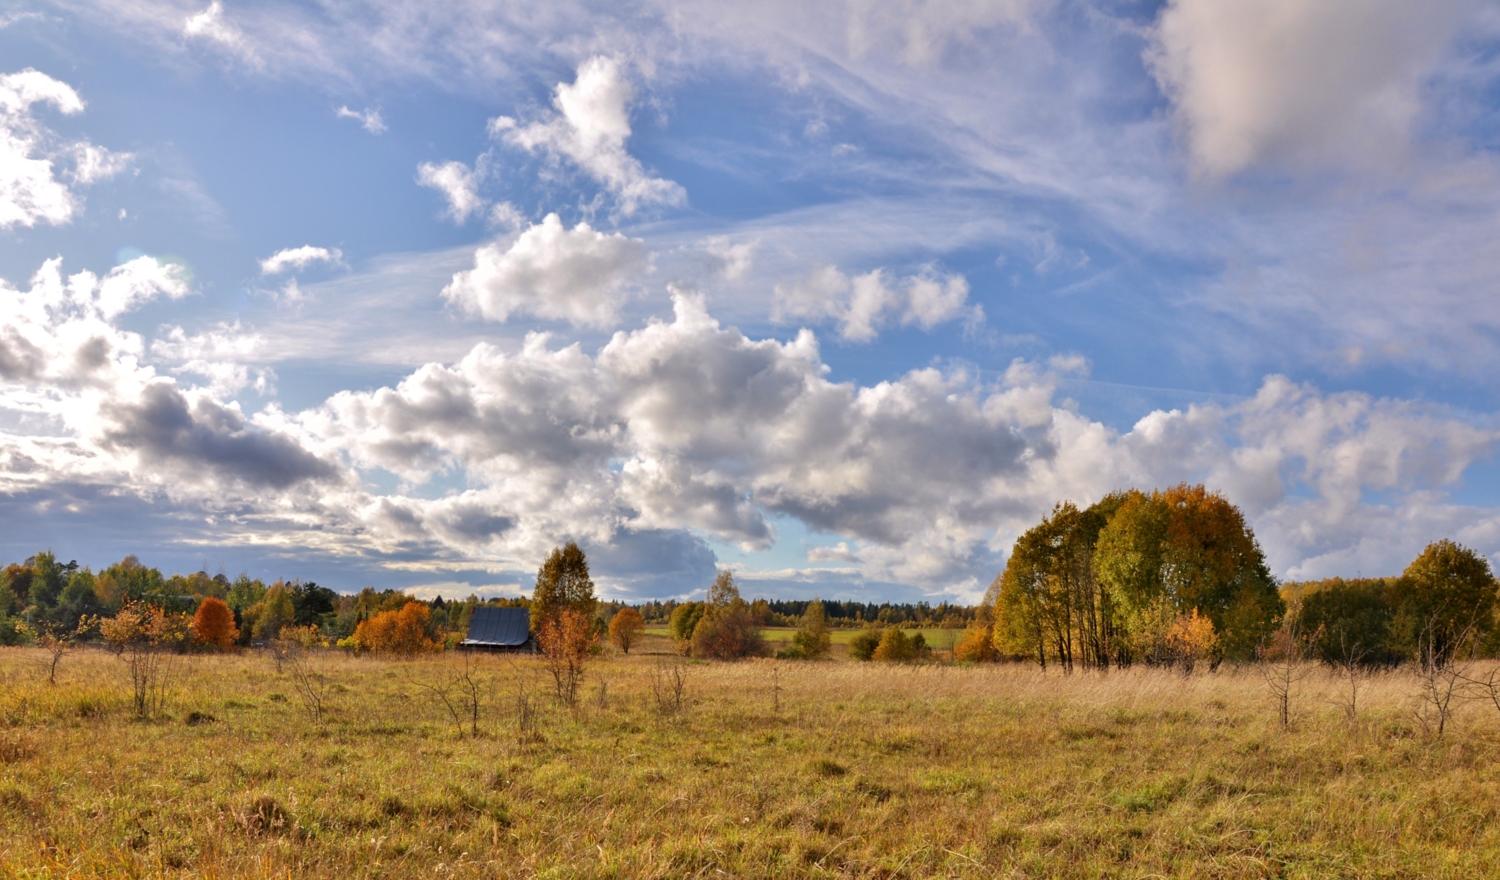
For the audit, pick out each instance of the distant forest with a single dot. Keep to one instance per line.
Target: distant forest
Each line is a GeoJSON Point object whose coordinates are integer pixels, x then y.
{"type": "Point", "coordinates": [43, 594]}
{"type": "Point", "coordinates": [1173, 577]}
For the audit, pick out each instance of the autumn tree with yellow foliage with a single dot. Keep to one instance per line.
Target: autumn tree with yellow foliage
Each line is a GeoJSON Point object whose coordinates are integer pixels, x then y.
{"type": "Point", "coordinates": [626, 629]}
{"type": "Point", "coordinates": [1170, 578]}
{"type": "Point", "coordinates": [402, 632]}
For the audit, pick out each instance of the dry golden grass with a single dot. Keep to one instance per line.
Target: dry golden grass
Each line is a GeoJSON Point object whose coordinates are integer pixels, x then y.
{"type": "Point", "coordinates": [860, 771]}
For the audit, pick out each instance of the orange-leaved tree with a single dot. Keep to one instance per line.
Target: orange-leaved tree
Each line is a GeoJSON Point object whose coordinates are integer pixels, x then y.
{"type": "Point", "coordinates": [397, 632]}
{"type": "Point", "coordinates": [626, 628]}
{"type": "Point", "coordinates": [214, 624]}
{"type": "Point", "coordinates": [564, 638]}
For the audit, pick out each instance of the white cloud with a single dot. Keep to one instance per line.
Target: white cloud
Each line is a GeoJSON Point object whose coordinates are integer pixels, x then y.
{"type": "Point", "coordinates": [30, 191]}
{"type": "Point", "coordinates": [1256, 80]}
{"type": "Point", "coordinates": [732, 260]}
{"type": "Point", "coordinates": [369, 119]}
{"type": "Point", "coordinates": [840, 552]}
{"type": "Point", "coordinates": [130, 284]}
{"type": "Point", "coordinates": [300, 258]}
{"type": "Point", "coordinates": [603, 448]}
{"type": "Point", "coordinates": [862, 305]}
{"type": "Point", "coordinates": [223, 355]}
{"type": "Point", "coordinates": [689, 425]}
{"type": "Point", "coordinates": [504, 215]}
{"type": "Point", "coordinates": [92, 163]}
{"type": "Point", "coordinates": [457, 183]}
{"type": "Point", "coordinates": [919, 31]}
{"type": "Point", "coordinates": [86, 404]}
{"type": "Point", "coordinates": [211, 25]}
{"type": "Point", "coordinates": [590, 129]}
{"type": "Point", "coordinates": [577, 275]}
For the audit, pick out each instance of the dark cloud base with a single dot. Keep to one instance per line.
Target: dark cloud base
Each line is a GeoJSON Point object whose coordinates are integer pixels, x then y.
{"type": "Point", "coordinates": [655, 564]}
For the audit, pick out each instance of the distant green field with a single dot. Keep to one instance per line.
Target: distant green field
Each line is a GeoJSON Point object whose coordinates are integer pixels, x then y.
{"type": "Point", "coordinates": [936, 638]}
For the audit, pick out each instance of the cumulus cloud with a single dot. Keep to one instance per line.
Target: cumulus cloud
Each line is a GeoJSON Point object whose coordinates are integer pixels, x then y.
{"type": "Point", "coordinates": [1255, 80]}
{"type": "Point", "coordinates": [690, 425]}
{"type": "Point", "coordinates": [175, 434]}
{"type": "Point", "coordinates": [458, 184]}
{"type": "Point", "coordinates": [92, 406]}
{"type": "Point", "coordinates": [862, 305]}
{"type": "Point", "coordinates": [130, 284]}
{"type": "Point", "coordinates": [590, 129]}
{"type": "Point", "coordinates": [369, 119]}
{"type": "Point", "coordinates": [577, 275]}
{"type": "Point", "coordinates": [687, 428]}
{"type": "Point", "coordinates": [299, 258]}
{"type": "Point", "coordinates": [30, 189]}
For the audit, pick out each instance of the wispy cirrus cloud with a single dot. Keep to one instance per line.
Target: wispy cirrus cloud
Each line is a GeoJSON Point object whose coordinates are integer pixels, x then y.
{"type": "Point", "coordinates": [369, 118]}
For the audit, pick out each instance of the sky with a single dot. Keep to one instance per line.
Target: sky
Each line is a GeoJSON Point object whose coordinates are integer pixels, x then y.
{"type": "Point", "coordinates": [842, 297]}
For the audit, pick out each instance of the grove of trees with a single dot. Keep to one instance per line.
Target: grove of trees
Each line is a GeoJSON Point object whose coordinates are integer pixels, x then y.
{"type": "Point", "coordinates": [1136, 578]}
{"type": "Point", "coordinates": [1442, 605]}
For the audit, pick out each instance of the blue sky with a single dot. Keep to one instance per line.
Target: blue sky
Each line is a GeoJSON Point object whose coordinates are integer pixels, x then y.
{"type": "Point", "coordinates": [844, 297]}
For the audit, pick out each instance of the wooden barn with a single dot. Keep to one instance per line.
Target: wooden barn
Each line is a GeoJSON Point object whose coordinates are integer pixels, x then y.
{"type": "Point", "coordinates": [498, 629]}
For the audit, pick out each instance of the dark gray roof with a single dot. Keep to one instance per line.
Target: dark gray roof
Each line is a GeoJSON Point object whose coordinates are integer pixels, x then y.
{"type": "Point", "coordinates": [502, 627]}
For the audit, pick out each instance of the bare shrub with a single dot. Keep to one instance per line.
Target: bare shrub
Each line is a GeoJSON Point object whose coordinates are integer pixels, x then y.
{"type": "Point", "coordinates": [528, 726]}
{"type": "Point", "coordinates": [1489, 686]}
{"type": "Point", "coordinates": [264, 815]}
{"type": "Point", "coordinates": [669, 686]}
{"type": "Point", "coordinates": [300, 651]}
{"type": "Point", "coordinates": [461, 688]}
{"type": "Point", "coordinates": [1350, 659]}
{"type": "Point", "coordinates": [1283, 666]}
{"type": "Point", "coordinates": [310, 679]}
{"type": "Point", "coordinates": [16, 748]}
{"type": "Point", "coordinates": [1442, 678]}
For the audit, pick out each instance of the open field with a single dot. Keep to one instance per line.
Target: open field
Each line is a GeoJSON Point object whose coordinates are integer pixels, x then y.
{"type": "Point", "coordinates": [769, 769]}
{"type": "Point", "coordinates": [777, 635]}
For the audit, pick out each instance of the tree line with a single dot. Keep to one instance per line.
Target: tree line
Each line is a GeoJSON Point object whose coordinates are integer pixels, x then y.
{"type": "Point", "coordinates": [1176, 577]}
{"type": "Point", "coordinates": [42, 596]}
{"type": "Point", "coordinates": [838, 614]}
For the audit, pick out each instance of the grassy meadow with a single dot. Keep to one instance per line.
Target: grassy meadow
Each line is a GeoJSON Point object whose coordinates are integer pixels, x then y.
{"type": "Point", "coordinates": [779, 636]}
{"type": "Point", "coordinates": [767, 769]}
